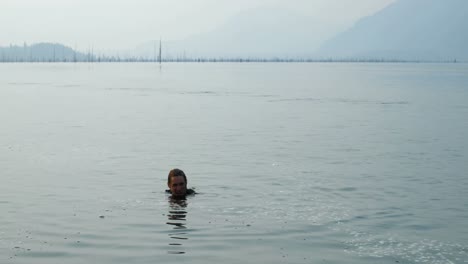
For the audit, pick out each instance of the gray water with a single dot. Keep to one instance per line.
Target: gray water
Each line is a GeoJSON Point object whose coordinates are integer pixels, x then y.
{"type": "Point", "coordinates": [293, 163]}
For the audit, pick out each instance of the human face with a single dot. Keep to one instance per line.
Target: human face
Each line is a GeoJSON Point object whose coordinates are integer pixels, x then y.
{"type": "Point", "coordinates": [178, 186]}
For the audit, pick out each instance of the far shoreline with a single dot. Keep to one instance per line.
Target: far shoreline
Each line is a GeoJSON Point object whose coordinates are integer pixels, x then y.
{"type": "Point", "coordinates": [231, 60]}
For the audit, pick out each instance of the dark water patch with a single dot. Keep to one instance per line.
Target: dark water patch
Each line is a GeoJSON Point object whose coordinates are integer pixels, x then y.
{"type": "Point", "coordinates": [296, 100]}
{"type": "Point", "coordinates": [179, 225]}
{"type": "Point", "coordinates": [27, 83]}
{"type": "Point", "coordinates": [178, 236]}
{"type": "Point", "coordinates": [347, 150]}
{"type": "Point", "coordinates": [357, 217]}
{"type": "Point", "coordinates": [207, 92]}
{"type": "Point", "coordinates": [83, 244]}
{"type": "Point", "coordinates": [394, 102]}
{"type": "Point", "coordinates": [340, 100]}
{"type": "Point", "coordinates": [310, 172]}
{"type": "Point", "coordinates": [323, 189]}
{"type": "Point", "coordinates": [263, 95]}
{"type": "Point", "coordinates": [392, 214]}
{"type": "Point", "coordinates": [47, 254]}
{"type": "Point", "coordinates": [419, 227]}
{"type": "Point", "coordinates": [337, 162]}
{"type": "Point", "coordinates": [131, 89]}
{"type": "Point", "coordinates": [378, 102]}
{"type": "Point", "coordinates": [347, 189]}
{"type": "Point", "coordinates": [175, 252]}
{"type": "Point", "coordinates": [351, 101]}
{"type": "Point", "coordinates": [180, 217]}
{"type": "Point", "coordinates": [68, 85]}
{"type": "Point", "coordinates": [88, 236]}
{"type": "Point", "coordinates": [178, 212]}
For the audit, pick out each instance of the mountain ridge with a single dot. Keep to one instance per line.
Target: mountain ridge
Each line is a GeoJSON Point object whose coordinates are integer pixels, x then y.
{"type": "Point", "coordinates": [41, 52]}
{"type": "Point", "coordinates": [255, 33]}
{"type": "Point", "coordinates": [406, 30]}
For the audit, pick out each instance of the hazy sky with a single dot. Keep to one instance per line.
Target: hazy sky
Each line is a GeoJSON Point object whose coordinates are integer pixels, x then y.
{"type": "Point", "coordinates": [117, 24]}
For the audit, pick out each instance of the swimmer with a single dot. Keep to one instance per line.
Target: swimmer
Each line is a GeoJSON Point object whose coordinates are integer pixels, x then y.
{"type": "Point", "coordinates": [177, 183]}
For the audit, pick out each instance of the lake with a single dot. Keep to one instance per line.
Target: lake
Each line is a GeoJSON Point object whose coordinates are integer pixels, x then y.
{"type": "Point", "coordinates": [292, 162]}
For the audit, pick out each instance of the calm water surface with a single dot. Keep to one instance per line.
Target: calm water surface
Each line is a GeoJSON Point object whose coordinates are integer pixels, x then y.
{"type": "Point", "coordinates": [294, 163]}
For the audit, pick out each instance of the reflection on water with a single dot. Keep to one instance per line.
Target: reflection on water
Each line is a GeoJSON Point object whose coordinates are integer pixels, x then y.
{"type": "Point", "coordinates": [177, 219]}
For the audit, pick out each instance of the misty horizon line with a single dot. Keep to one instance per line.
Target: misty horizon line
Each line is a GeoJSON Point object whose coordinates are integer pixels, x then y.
{"type": "Point", "coordinates": [237, 60]}
{"type": "Point", "coordinates": [48, 52]}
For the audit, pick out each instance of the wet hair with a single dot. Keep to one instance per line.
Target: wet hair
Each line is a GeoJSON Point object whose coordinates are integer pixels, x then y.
{"type": "Point", "coordinates": [175, 173]}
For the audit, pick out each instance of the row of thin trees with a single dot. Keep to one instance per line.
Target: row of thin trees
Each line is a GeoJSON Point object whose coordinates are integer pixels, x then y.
{"type": "Point", "coordinates": [48, 52]}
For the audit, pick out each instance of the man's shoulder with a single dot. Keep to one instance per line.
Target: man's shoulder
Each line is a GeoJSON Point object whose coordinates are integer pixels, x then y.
{"type": "Point", "coordinates": [189, 191]}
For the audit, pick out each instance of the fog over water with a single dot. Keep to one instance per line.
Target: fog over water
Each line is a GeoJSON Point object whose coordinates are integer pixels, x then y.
{"type": "Point", "coordinates": [293, 162]}
{"type": "Point", "coordinates": [117, 25]}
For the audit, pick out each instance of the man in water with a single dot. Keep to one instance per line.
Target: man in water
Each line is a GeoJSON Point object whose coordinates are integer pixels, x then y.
{"type": "Point", "coordinates": [177, 183]}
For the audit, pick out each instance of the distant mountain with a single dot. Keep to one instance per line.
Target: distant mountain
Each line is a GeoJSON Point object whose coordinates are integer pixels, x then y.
{"type": "Point", "coordinates": [406, 30]}
{"type": "Point", "coordinates": [256, 33]}
{"type": "Point", "coordinates": [41, 52]}
{"type": "Point", "coordinates": [423, 30]}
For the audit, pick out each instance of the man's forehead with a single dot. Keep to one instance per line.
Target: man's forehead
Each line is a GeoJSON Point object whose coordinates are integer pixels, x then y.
{"type": "Point", "coordinates": [178, 178]}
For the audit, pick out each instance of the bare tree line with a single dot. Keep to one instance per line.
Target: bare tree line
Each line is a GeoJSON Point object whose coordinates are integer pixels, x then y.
{"type": "Point", "coordinates": [53, 52]}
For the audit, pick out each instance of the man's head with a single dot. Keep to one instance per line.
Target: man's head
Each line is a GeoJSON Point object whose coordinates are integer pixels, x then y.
{"type": "Point", "coordinates": [177, 183]}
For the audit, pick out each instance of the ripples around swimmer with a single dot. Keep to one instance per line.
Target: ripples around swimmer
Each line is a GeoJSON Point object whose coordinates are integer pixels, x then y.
{"type": "Point", "coordinates": [177, 220]}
